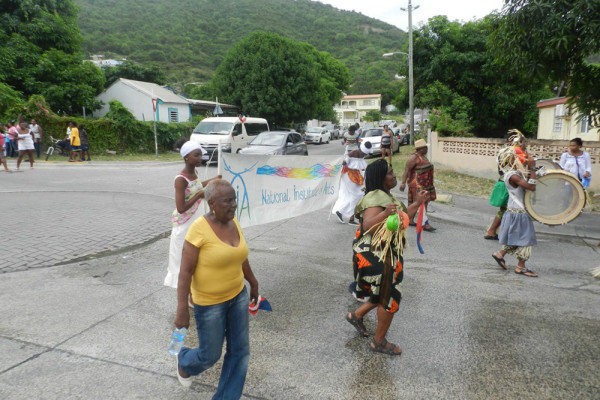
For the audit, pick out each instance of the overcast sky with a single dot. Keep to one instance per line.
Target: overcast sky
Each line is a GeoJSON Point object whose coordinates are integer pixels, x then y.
{"type": "Point", "coordinates": [389, 10]}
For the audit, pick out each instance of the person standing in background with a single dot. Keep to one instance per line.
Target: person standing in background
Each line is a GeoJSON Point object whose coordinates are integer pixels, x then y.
{"type": "Point", "coordinates": [2, 145]}
{"type": "Point", "coordinates": [36, 130]}
{"type": "Point", "coordinates": [75, 142]}
{"type": "Point", "coordinates": [386, 144]}
{"type": "Point", "coordinates": [576, 161]}
{"type": "Point", "coordinates": [85, 149]}
{"type": "Point", "coordinates": [25, 143]}
{"type": "Point", "coordinates": [11, 143]}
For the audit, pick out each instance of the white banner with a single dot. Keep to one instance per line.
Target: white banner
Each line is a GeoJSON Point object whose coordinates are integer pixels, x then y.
{"type": "Point", "coordinates": [272, 188]}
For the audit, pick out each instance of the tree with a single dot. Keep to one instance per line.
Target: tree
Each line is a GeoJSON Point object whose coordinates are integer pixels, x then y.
{"type": "Point", "coordinates": [276, 78]}
{"type": "Point", "coordinates": [553, 39]}
{"type": "Point", "coordinates": [455, 74]}
{"type": "Point", "coordinates": [39, 54]}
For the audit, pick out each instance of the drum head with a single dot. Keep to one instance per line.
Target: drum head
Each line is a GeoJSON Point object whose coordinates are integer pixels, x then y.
{"type": "Point", "coordinates": [558, 198]}
{"type": "Point", "coordinates": [547, 163]}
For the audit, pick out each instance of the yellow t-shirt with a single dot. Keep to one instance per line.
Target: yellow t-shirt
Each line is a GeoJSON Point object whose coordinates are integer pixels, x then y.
{"type": "Point", "coordinates": [75, 137]}
{"type": "Point", "coordinates": [218, 276]}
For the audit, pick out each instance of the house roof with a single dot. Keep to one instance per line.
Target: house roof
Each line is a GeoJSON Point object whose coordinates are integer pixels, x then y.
{"type": "Point", "coordinates": [153, 90]}
{"type": "Point", "coordinates": [552, 102]}
{"type": "Point", "coordinates": [361, 96]}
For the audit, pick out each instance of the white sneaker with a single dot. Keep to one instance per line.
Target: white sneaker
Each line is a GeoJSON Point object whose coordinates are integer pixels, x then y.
{"type": "Point", "coordinates": [185, 382]}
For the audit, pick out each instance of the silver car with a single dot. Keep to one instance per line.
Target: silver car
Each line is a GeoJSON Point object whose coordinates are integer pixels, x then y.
{"type": "Point", "coordinates": [277, 143]}
{"type": "Point", "coordinates": [373, 135]}
{"type": "Point", "coordinates": [317, 135]}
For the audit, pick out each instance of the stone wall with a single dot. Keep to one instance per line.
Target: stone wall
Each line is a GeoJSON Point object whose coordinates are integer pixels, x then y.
{"type": "Point", "coordinates": [477, 156]}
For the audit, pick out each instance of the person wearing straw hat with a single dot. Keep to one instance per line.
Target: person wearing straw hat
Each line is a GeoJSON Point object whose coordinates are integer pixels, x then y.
{"type": "Point", "coordinates": [419, 175]}
{"type": "Point", "coordinates": [352, 183]}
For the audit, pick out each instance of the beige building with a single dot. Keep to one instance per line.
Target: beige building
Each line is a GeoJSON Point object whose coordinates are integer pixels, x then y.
{"type": "Point", "coordinates": [560, 121]}
{"type": "Point", "coordinates": [352, 108]}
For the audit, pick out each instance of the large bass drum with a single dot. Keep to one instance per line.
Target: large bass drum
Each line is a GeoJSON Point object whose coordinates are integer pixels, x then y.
{"type": "Point", "coordinates": [547, 164]}
{"type": "Point", "coordinates": [558, 198]}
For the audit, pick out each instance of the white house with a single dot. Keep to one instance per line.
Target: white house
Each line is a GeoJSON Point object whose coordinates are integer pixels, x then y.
{"type": "Point", "coordinates": [138, 97]}
{"type": "Point", "coordinates": [353, 107]}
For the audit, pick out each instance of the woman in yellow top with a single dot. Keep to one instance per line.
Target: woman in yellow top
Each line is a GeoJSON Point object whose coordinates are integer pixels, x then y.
{"type": "Point", "coordinates": [214, 265]}
{"type": "Point", "coordinates": [75, 142]}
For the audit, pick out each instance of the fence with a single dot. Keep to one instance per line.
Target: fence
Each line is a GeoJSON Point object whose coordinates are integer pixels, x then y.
{"type": "Point", "coordinates": [477, 156]}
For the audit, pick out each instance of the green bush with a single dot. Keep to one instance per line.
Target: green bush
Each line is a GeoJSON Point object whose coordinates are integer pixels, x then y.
{"type": "Point", "coordinates": [118, 130]}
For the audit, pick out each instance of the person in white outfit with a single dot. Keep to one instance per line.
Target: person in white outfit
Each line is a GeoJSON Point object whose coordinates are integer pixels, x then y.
{"type": "Point", "coordinates": [189, 192]}
{"type": "Point", "coordinates": [352, 183]}
{"type": "Point", "coordinates": [576, 161]}
{"type": "Point", "coordinates": [25, 143]}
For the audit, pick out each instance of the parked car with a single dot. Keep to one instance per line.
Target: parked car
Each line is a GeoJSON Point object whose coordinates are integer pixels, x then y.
{"type": "Point", "coordinates": [373, 135]}
{"type": "Point", "coordinates": [403, 138]}
{"type": "Point", "coordinates": [277, 143]}
{"type": "Point", "coordinates": [317, 135]}
{"type": "Point", "coordinates": [334, 130]}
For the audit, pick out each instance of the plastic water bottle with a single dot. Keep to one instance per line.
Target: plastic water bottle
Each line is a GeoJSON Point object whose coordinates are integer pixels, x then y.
{"type": "Point", "coordinates": [177, 341]}
{"type": "Point", "coordinates": [586, 182]}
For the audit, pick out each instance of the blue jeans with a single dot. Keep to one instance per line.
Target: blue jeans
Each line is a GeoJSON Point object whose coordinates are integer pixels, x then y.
{"type": "Point", "coordinates": [228, 320]}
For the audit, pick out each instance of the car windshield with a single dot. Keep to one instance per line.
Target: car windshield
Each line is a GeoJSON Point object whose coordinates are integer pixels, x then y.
{"type": "Point", "coordinates": [214, 128]}
{"type": "Point", "coordinates": [268, 139]}
{"type": "Point", "coordinates": [373, 132]}
{"type": "Point", "coordinates": [313, 130]}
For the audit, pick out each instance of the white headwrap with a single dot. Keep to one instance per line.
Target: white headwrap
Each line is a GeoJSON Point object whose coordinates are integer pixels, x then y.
{"type": "Point", "coordinates": [190, 146]}
{"type": "Point", "coordinates": [367, 149]}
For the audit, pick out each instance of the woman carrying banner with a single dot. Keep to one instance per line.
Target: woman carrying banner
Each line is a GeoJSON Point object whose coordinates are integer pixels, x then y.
{"type": "Point", "coordinates": [189, 192]}
{"type": "Point", "coordinates": [352, 183]}
{"type": "Point", "coordinates": [378, 264]}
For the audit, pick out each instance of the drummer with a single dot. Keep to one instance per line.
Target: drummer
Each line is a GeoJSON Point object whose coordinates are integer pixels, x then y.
{"type": "Point", "coordinates": [517, 234]}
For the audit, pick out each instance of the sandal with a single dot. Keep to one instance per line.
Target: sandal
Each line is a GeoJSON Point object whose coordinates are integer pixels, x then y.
{"type": "Point", "coordinates": [358, 324]}
{"type": "Point", "coordinates": [526, 272]}
{"type": "Point", "coordinates": [501, 262]}
{"type": "Point", "coordinates": [385, 347]}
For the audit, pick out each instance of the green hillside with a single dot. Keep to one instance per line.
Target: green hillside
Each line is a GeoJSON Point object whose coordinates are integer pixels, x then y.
{"type": "Point", "coordinates": [189, 38]}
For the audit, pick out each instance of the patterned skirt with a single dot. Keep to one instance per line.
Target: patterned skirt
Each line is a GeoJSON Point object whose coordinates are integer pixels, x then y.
{"type": "Point", "coordinates": [381, 281]}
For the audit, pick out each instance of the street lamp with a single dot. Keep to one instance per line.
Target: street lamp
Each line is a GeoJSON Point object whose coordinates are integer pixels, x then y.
{"type": "Point", "coordinates": [411, 104]}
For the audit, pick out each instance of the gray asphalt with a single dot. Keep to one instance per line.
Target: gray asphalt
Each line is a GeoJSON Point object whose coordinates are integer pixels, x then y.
{"type": "Point", "coordinates": [85, 314]}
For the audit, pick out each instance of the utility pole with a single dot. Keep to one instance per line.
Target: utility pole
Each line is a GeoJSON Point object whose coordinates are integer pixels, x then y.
{"type": "Point", "coordinates": [411, 100]}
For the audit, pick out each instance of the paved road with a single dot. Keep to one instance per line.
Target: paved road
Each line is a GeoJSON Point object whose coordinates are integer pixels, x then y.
{"type": "Point", "coordinates": [98, 327]}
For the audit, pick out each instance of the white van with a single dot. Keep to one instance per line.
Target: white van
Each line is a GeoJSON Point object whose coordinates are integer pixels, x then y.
{"type": "Point", "coordinates": [232, 132]}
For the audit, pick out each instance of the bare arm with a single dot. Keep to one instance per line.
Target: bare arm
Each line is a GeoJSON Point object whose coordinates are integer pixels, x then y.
{"type": "Point", "coordinates": [249, 276]}
{"type": "Point", "coordinates": [515, 180]}
{"type": "Point", "coordinates": [206, 182]}
{"type": "Point", "coordinates": [374, 215]}
{"type": "Point", "coordinates": [189, 260]}
{"type": "Point", "coordinates": [411, 163]}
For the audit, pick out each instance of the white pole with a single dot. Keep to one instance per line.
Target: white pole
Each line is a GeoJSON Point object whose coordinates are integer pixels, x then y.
{"type": "Point", "coordinates": [411, 105]}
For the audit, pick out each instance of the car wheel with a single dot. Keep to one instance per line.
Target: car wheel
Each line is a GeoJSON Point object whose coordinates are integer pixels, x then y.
{"type": "Point", "coordinates": [320, 140]}
{"type": "Point", "coordinates": [327, 141]}
{"type": "Point", "coordinates": [306, 153]}
{"type": "Point", "coordinates": [238, 151]}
